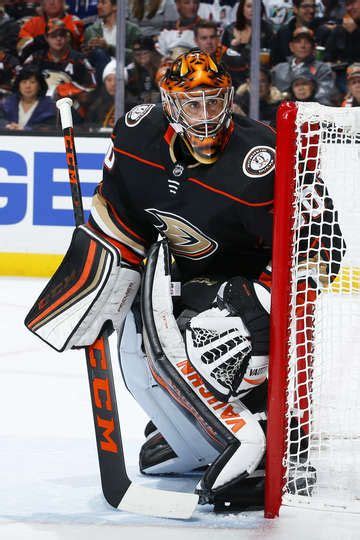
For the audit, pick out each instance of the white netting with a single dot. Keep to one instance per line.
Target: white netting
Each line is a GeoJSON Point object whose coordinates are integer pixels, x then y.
{"type": "Point", "coordinates": [324, 334]}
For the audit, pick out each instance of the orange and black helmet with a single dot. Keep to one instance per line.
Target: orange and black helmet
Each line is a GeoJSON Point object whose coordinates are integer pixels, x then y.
{"type": "Point", "coordinates": [197, 97]}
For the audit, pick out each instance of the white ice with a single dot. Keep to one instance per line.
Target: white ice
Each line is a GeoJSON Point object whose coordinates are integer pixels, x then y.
{"type": "Point", "coordinates": [49, 482]}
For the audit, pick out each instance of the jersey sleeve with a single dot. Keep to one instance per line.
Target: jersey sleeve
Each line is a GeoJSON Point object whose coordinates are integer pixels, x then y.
{"type": "Point", "coordinates": [112, 215]}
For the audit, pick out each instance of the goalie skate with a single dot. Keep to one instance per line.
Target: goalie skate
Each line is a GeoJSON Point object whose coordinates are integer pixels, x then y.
{"type": "Point", "coordinates": [245, 494]}
{"type": "Point", "coordinates": [155, 451]}
{"type": "Point", "coordinates": [156, 455]}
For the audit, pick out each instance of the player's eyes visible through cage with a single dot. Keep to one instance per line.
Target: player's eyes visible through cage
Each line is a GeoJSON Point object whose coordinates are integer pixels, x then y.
{"type": "Point", "coordinates": [204, 109]}
{"type": "Point", "coordinates": [201, 112]}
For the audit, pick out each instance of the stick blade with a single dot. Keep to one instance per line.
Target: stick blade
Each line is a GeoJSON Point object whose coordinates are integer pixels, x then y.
{"type": "Point", "coordinates": [159, 503]}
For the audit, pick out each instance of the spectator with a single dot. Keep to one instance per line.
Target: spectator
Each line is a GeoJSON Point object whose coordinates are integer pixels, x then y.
{"type": "Point", "coordinates": [140, 76]}
{"type": "Point", "coordinates": [100, 37]}
{"type": "Point", "coordinates": [334, 11]}
{"type": "Point", "coordinates": [68, 72]}
{"type": "Point", "coordinates": [28, 107]}
{"type": "Point", "coordinates": [279, 12]}
{"type": "Point", "coordinates": [101, 113]}
{"type": "Point", "coordinates": [304, 15]}
{"type": "Point", "coordinates": [303, 87]}
{"type": "Point", "coordinates": [31, 35]}
{"type": "Point", "coordinates": [9, 29]}
{"type": "Point", "coordinates": [152, 16]}
{"type": "Point", "coordinates": [181, 32]}
{"type": "Point", "coordinates": [302, 47]}
{"type": "Point", "coordinates": [343, 45]}
{"type": "Point", "coordinates": [237, 35]}
{"type": "Point", "coordinates": [270, 98]}
{"type": "Point", "coordinates": [207, 38]}
{"type": "Point", "coordinates": [352, 99]}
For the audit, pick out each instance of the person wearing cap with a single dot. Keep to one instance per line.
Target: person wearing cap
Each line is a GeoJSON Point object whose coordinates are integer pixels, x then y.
{"type": "Point", "coordinates": [32, 33]}
{"type": "Point", "coordinates": [304, 15]}
{"type": "Point", "coordinates": [100, 37]}
{"type": "Point", "coordinates": [140, 75]}
{"type": "Point", "coordinates": [303, 87]}
{"type": "Point", "coordinates": [67, 72]}
{"type": "Point", "coordinates": [343, 45]}
{"type": "Point", "coordinates": [352, 98]}
{"type": "Point", "coordinates": [302, 47]}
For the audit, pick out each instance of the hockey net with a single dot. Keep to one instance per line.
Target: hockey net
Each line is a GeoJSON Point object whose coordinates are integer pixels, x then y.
{"type": "Point", "coordinates": [313, 438]}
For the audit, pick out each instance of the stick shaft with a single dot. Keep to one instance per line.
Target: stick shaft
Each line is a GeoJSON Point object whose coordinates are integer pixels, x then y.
{"type": "Point", "coordinates": [114, 479]}
{"type": "Point", "coordinates": [64, 105]}
{"type": "Point", "coordinates": [71, 160]}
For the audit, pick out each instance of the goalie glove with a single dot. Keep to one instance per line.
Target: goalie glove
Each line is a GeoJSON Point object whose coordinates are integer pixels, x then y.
{"type": "Point", "coordinates": [251, 301]}
{"type": "Point", "coordinates": [228, 344]}
{"type": "Point", "coordinates": [90, 287]}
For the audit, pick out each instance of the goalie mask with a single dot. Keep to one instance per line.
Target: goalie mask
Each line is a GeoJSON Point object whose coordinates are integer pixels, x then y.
{"type": "Point", "coordinates": [197, 97]}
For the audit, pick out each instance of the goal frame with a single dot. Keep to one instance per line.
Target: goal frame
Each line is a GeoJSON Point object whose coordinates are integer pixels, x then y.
{"type": "Point", "coordinates": [305, 133]}
{"type": "Point", "coordinates": [280, 305]}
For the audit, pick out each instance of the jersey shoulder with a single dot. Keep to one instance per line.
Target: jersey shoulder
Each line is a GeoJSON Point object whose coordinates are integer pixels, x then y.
{"type": "Point", "coordinates": [139, 125]}
{"type": "Point", "coordinates": [247, 166]}
{"type": "Point", "coordinates": [254, 129]}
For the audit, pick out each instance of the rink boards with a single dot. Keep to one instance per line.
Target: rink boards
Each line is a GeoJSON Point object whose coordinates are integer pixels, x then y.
{"type": "Point", "coordinates": [36, 218]}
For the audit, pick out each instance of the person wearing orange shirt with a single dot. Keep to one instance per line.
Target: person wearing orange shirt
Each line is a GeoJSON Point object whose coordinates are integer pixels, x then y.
{"type": "Point", "coordinates": [31, 35]}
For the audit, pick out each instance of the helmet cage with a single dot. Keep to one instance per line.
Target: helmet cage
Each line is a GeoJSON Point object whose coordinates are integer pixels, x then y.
{"type": "Point", "coordinates": [213, 110]}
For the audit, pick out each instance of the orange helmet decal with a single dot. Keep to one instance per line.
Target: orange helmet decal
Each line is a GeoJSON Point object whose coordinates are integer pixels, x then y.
{"type": "Point", "coordinates": [192, 70]}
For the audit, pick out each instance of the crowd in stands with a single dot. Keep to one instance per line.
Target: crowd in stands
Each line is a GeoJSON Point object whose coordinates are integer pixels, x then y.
{"type": "Point", "coordinates": [310, 51]}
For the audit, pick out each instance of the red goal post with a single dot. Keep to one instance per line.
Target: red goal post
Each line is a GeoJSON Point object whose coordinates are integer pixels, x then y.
{"type": "Point", "coordinates": [313, 433]}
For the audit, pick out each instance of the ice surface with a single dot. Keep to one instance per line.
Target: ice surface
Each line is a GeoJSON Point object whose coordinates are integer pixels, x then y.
{"type": "Point", "coordinates": [49, 481]}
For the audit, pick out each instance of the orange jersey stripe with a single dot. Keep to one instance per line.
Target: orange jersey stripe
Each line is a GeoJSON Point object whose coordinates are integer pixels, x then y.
{"type": "Point", "coordinates": [228, 195]}
{"type": "Point", "coordinates": [266, 125]}
{"type": "Point", "coordinates": [138, 158]}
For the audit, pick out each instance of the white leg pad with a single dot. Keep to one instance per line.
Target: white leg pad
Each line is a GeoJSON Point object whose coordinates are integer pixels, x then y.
{"type": "Point", "coordinates": [191, 448]}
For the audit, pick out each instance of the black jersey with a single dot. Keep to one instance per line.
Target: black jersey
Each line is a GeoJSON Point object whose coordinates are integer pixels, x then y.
{"type": "Point", "coordinates": [217, 218]}
{"type": "Point", "coordinates": [73, 69]}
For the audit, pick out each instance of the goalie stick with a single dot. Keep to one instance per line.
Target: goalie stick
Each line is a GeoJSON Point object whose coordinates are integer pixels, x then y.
{"type": "Point", "coordinates": [117, 488]}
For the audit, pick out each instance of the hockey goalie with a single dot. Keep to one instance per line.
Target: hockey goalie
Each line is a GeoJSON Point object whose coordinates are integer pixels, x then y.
{"type": "Point", "coordinates": [176, 254]}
